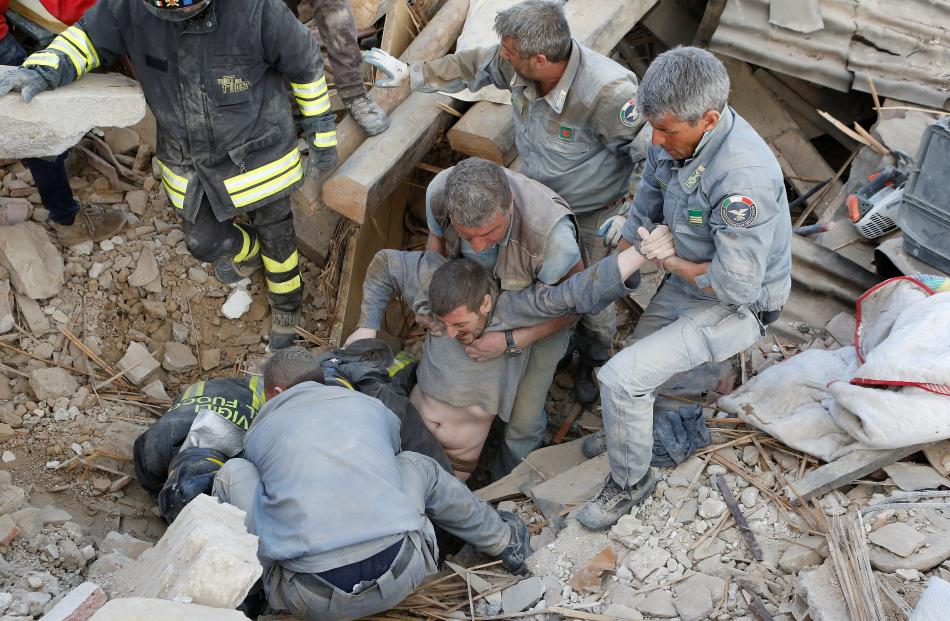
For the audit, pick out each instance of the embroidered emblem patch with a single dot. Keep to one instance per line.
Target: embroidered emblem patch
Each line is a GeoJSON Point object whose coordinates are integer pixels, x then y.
{"type": "Point", "coordinates": [566, 133]}
{"type": "Point", "coordinates": [738, 210]}
{"type": "Point", "coordinates": [629, 115]}
{"type": "Point", "coordinates": [233, 84]}
{"type": "Point", "coordinates": [693, 179]}
{"type": "Point", "coordinates": [696, 216]}
{"type": "Point", "coordinates": [560, 100]}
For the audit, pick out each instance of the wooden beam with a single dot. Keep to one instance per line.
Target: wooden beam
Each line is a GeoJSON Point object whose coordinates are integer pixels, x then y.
{"type": "Point", "coordinates": [488, 129]}
{"type": "Point", "coordinates": [709, 22]}
{"type": "Point", "coordinates": [436, 39]}
{"type": "Point", "coordinates": [840, 472]}
{"type": "Point", "coordinates": [376, 169]}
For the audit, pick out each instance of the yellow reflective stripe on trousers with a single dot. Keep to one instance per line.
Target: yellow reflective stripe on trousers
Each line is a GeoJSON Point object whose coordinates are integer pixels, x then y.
{"type": "Point", "coordinates": [175, 186]}
{"type": "Point", "coordinates": [283, 287]}
{"type": "Point", "coordinates": [265, 181]}
{"type": "Point", "coordinates": [44, 59]}
{"type": "Point", "coordinates": [322, 140]}
{"type": "Point", "coordinates": [280, 267]}
{"type": "Point", "coordinates": [247, 250]}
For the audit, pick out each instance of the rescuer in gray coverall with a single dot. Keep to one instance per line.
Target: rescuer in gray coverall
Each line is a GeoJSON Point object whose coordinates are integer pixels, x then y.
{"type": "Point", "coordinates": [344, 519]}
{"type": "Point", "coordinates": [713, 180]}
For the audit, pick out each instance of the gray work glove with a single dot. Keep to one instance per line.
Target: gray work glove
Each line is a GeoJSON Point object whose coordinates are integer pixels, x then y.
{"type": "Point", "coordinates": [322, 158]}
{"type": "Point", "coordinates": [26, 80]}
{"type": "Point", "coordinates": [610, 231]}
{"type": "Point", "coordinates": [396, 71]}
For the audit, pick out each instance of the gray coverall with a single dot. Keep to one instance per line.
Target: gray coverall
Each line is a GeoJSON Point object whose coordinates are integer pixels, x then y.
{"type": "Point", "coordinates": [583, 140]}
{"type": "Point", "coordinates": [726, 206]}
{"type": "Point", "coordinates": [324, 486]}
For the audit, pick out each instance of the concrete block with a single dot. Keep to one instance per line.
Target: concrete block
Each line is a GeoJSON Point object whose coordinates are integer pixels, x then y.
{"type": "Point", "coordinates": [57, 119]}
{"type": "Point", "coordinates": [52, 383]}
{"type": "Point", "coordinates": [79, 604]}
{"type": "Point", "coordinates": [162, 610]}
{"type": "Point", "coordinates": [206, 556]}
{"type": "Point", "coordinates": [140, 366]}
{"type": "Point", "coordinates": [34, 263]}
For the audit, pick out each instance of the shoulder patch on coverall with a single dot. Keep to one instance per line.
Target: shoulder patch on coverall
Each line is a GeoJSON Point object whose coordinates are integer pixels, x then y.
{"type": "Point", "coordinates": [738, 210]}
{"type": "Point", "coordinates": [629, 115]}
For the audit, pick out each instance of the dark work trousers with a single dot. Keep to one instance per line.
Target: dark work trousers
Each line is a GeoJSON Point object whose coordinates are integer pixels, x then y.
{"type": "Point", "coordinates": [338, 32]}
{"type": "Point", "coordinates": [49, 174]}
{"type": "Point", "coordinates": [271, 235]}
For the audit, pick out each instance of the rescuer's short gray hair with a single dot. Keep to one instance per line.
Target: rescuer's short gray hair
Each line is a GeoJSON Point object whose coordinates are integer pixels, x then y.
{"type": "Point", "coordinates": [685, 82]}
{"type": "Point", "coordinates": [538, 27]}
{"type": "Point", "coordinates": [475, 191]}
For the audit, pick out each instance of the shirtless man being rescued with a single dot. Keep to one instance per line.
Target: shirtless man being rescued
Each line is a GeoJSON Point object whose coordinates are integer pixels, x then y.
{"type": "Point", "coordinates": [456, 396]}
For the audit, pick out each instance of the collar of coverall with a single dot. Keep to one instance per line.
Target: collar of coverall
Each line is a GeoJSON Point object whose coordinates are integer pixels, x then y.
{"type": "Point", "coordinates": [692, 169]}
{"type": "Point", "coordinates": [558, 94]}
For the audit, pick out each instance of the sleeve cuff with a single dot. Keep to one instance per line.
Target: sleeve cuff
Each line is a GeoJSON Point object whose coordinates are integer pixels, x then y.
{"type": "Point", "coordinates": [417, 78]}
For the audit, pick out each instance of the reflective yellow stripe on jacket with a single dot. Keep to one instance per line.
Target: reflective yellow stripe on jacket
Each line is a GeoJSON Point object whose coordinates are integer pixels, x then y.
{"type": "Point", "coordinates": [74, 45]}
{"type": "Point", "coordinates": [175, 186]}
{"type": "Point", "coordinates": [312, 97]}
{"type": "Point", "coordinates": [264, 181]}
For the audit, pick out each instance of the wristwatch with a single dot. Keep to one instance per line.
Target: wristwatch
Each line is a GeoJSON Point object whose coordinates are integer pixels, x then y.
{"type": "Point", "coordinates": [511, 350]}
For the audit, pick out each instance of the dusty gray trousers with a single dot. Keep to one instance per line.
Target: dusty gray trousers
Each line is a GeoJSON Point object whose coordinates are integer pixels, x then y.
{"type": "Point", "coordinates": [676, 333]}
{"type": "Point", "coordinates": [438, 496]}
{"type": "Point", "coordinates": [594, 333]}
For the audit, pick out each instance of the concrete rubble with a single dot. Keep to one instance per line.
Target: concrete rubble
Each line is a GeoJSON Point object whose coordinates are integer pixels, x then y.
{"type": "Point", "coordinates": [34, 264]}
{"type": "Point", "coordinates": [124, 609]}
{"type": "Point", "coordinates": [56, 120]}
{"type": "Point", "coordinates": [206, 535]}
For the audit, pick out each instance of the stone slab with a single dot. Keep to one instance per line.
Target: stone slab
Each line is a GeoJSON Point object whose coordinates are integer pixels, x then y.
{"type": "Point", "coordinates": [79, 604]}
{"type": "Point", "coordinates": [34, 263]}
{"type": "Point", "coordinates": [206, 556]}
{"type": "Point", "coordinates": [128, 608]}
{"type": "Point", "coordinates": [56, 120]}
{"type": "Point", "coordinates": [915, 477]}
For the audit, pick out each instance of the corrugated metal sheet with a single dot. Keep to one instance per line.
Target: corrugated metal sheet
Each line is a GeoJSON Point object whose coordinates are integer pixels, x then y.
{"type": "Point", "coordinates": [904, 46]}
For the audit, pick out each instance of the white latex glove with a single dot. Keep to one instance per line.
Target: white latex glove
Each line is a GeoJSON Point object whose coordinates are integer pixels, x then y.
{"type": "Point", "coordinates": [359, 334]}
{"type": "Point", "coordinates": [396, 71]}
{"type": "Point", "coordinates": [658, 243]}
{"type": "Point", "coordinates": [610, 230]}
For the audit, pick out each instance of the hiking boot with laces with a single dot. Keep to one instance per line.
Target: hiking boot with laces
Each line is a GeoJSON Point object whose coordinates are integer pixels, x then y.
{"type": "Point", "coordinates": [594, 444]}
{"type": "Point", "coordinates": [282, 333]}
{"type": "Point", "coordinates": [613, 502]}
{"type": "Point", "coordinates": [367, 114]}
{"type": "Point", "coordinates": [519, 547]}
{"type": "Point", "coordinates": [91, 224]}
{"type": "Point", "coordinates": [229, 272]}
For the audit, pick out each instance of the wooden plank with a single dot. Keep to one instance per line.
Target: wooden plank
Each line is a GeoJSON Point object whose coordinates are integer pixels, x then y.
{"type": "Point", "coordinates": [540, 465]}
{"type": "Point", "coordinates": [849, 468]}
{"type": "Point", "coordinates": [398, 30]}
{"type": "Point", "coordinates": [384, 230]}
{"type": "Point", "coordinates": [800, 161]}
{"type": "Point", "coordinates": [597, 24]}
{"type": "Point", "coordinates": [381, 163]}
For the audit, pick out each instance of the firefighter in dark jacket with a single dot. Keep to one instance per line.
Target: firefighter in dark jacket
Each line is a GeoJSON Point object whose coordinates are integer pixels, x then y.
{"type": "Point", "coordinates": [214, 75]}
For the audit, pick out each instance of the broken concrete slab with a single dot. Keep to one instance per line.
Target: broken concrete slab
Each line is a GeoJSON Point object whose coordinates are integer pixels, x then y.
{"type": "Point", "coordinates": [522, 595]}
{"type": "Point", "coordinates": [841, 328]}
{"type": "Point", "coordinates": [805, 552]}
{"type": "Point", "coordinates": [177, 358]}
{"type": "Point", "coordinates": [571, 487]}
{"type": "Point", "coordinates": [936, 549]}
{"type": "Point", "coordinates": [34, 318]}
{"type": "Point", "coordinates": [79, 604]}
{"type": "Point", "coordinates": [52, 383]}
{"type": "Point", "coordinates": [938, 455]}
{"type": "Point", "coordinates": [139, 365]}
{"type": "Point", "coordinates": [124, 544]}
{"type": "Point", "coordinates": [206, 534]}
{"type": "Point", "coordinates": [12, 498]}
{"type": "Point", "coordinates": [152, 609]}
{"type": "Point", "coordinates": [819, 592]}
{"type": "Point", "coordinates": [146, 269]}
{"type": "Point", "coordinates": [697, 595]}
{"type": "Point", "coordinates": [6, 307]}
{"type": "Point", "coordinates": [540, 465]}
{"type": "Point", "coordinates": [56, 120]}
{"type": "Point", "coordinates": [645, 561]}
{"type": "Point", "coordinates": [899, 538]}
{"type": "Point", "coordinates": [658, 604]}
{"type": "Point", "coordinates": [34, 263]}
{"type": "Point", "coordinates": [915, 477]}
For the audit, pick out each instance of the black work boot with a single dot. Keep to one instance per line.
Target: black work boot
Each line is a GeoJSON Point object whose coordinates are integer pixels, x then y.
{"type": "Point", "coordinates": [585, 390]}
{"type": "Point", "coordinates": [229, 272]}
{"type": "Point", "coordinates": [613, 502]}
{"type": "Point", "coordinates": [519, 547]}
{"type": "Point", "coordinates": [282, 333]}
{"type": "Point", "coordinates": [367, 114]}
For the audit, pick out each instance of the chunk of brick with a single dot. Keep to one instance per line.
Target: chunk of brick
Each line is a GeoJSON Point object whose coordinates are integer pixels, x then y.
{"type": "Point", "coordinates": [79, 604]}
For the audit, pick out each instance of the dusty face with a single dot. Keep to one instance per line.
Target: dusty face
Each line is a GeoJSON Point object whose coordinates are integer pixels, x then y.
{"type": "Point", "coordinates": [481, 238]}
{"type": "Point", "coordinates": [680, 138]}
{"type": "Point", "coordinates": [467, 325]}
{"type": "Point", "coordinates": [523, 66]}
